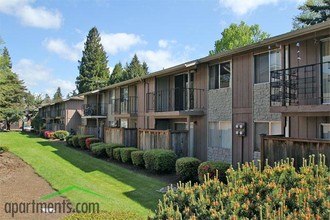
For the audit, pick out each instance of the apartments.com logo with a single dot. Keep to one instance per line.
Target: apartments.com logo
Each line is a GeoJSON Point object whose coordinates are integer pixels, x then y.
{"type": "Point", "coordinates": [65, 206]}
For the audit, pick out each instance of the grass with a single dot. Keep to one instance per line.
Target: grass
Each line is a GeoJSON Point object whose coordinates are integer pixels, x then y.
{"type": "Point", "coordinates": [63, 167]}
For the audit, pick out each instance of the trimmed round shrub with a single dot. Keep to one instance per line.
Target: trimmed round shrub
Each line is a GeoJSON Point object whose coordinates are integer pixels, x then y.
{"type": "Point", "coordinates": [160, 160]}
{"type": "Point", "coordinates": [116, 154]}
{"type": "Point", "coordinates": [61, 134]}
{"type": "Point", "coordinates": [82, 140]}
{"type": "Point", "coordinates": [111, 147]}
{"type": "Point", "coordinates": [49, 134]}
{"type": "Point", "coordinates": [90, 141]}
{"type": "Point", "coordinates": [137, 158]}
{"type": "Point", "coordinates": [210, 167]}
{"type": "Point", "coordinates": [125, 154]}
{"type": "Point", "coordinates": [68, 140]}
{"type": "Point", "coordinates": [98, 149]}
{"type": "Point", "coordinates": [75, 139]}
{"type": "Point", "coordinates": [187, 168]}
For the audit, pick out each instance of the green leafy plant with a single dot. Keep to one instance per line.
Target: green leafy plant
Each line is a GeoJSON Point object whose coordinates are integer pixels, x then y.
{"type": "Point", "coordinates": [90, 141]}
{"type": "Point", "coordinates": [75, 140]}
{"type": "Point", "coordinates": [98, 149]}
{"type": "Point", "coordinates": [187, 168]}
{"type": "Point", "coordinates": [61, 134]}
{"type": "Point", "coordinates": [3, 149]}
{"type": "Point", "coordinates": [210, 168]}
{"type": "Point", "coordinates": [279, 192]}
{"type": "Point", "coordinates": [137, 158]}
{"type": "Point", "coordinates": [111, 147]}
{"type": "Point", "coordinates": [68, 140]}
{"type": "Point", "coordinates": [82, 140]}
{"type": "Point", "coordinates": [125, 154]}
{"type": "Point", "coordinates": [160, 160]}
{"type": "Point", "coordinates": [116, 154]}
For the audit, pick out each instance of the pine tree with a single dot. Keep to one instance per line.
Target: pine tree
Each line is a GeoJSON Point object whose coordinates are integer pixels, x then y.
{"type": "Point", "coordinates": [312, 12]}
{"type": "Point", "coordinates": [12, 92]}
{"type": "Point", "coordinates": [47, 99]}
{"type": "Point", "coordinates": [117, 74]}
{"type": "Point", "coordinates": [93, 69]}
{"type": "Point", "coordinates": [58, 95]}
{"type": "Point", "coordinates": [135, 68]}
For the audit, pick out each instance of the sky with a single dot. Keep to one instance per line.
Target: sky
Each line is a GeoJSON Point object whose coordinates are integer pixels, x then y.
{"type": "Point", "coordinates": [45, 38]}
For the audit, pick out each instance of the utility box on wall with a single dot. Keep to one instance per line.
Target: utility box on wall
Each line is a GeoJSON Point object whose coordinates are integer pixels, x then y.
{"type": "Point", "coordinates": [240, 129]}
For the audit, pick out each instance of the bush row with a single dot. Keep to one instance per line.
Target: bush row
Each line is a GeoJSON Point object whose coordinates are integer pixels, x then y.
{"type": "Point", "coordinates": [60, 134]}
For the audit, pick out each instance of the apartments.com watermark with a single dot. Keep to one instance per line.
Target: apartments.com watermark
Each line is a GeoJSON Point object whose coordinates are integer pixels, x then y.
{"type": "Point", "coordinates": [65, 206]}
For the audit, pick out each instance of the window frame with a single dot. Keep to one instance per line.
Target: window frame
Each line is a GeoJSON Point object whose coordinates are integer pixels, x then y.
{"type": "Point", "coordinates": [269, 63]}
{"type": "Point", "coordinates": [218, 75]}
{"type": "Point", "coordinates": [219, 127]}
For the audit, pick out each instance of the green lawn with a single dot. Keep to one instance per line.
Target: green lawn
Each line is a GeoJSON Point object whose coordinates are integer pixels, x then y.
{"type": "Point", "coordinates": [64, 167]}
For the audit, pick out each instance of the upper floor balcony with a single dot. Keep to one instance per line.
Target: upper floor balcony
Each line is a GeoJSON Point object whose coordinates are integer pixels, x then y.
{"type": "Point", "coordinates": [183, 101]}
{"type": "Point", "coordinates": [301, 89]}
{"type": "Point", "coordinates": [95, 110]}
{"type": "Point", "coordinates": [125, 106]}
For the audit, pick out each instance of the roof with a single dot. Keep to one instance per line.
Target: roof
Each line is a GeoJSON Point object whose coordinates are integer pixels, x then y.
{"type": "Point", "coordinates": [77, 98]}
{"type": "Point", "coordinates": [192, 63]}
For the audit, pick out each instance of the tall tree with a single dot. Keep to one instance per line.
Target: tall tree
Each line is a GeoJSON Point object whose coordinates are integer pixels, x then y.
{"type": "Point", "coordinates": [58, 95]}
{"type": "Point", "coordinates": [312, 12]}
{"type": "Point", "coordinates": [117, 74]}
{"type": "Point", "coordinates": [237, 36]}
{"type": "Point", "coordinates": [135, 68]}
{"type": "Point", "coordinates": [12, 92]}
{"type": "Point", "coordinates": [93, 66]}
{"type": "Point", "coordinates": [47, 99]}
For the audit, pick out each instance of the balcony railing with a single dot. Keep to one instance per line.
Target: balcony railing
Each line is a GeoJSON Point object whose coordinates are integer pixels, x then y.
{"type": "Point", "coordinates": [125, 105]}
{"type": "Point", "coordinates": [304, 85]}
{"type": "Point", "coordinates": [178, 99]}
{"type": "Point", "coordinates": [95, 109]}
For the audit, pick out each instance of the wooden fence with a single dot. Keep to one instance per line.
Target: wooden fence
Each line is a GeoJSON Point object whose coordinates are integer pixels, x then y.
{"type": "Point", "coordinates": [86, 130]}
{"type": "Point", "coordinates": [126, 136]}
{"type": "Point", "coordinates": [164, 139]}
{"type": "Point", "coordinates": [275, 148]}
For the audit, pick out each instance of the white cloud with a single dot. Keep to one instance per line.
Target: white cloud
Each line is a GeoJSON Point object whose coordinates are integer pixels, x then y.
{"type": "Point", "coordinates": [65, 51]}
{"type": "Point", "coordinates": [242, 7]}
{"type": "Point", "coordinates": [113, 43]}
{"type": "Point", "coordinates": [40, 17]}
{"type": "Point", "coordinates": [165, 43]}
{"type": "Point", "coordinates": [39, 78]}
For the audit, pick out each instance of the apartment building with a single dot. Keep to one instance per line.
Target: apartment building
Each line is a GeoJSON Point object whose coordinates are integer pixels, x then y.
{"type": "Point", "coordinates": [62, 115]}
{"type": "Point", "coordinates": [222, 103]}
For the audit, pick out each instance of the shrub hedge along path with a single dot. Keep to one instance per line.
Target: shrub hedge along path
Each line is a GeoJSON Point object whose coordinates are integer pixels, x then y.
{"type": "Point", "coordinates": [63, 167]}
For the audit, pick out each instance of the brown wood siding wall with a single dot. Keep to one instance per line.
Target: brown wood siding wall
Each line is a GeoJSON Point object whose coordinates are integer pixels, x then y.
{"type": "Point", "coordinates": [242, 76]}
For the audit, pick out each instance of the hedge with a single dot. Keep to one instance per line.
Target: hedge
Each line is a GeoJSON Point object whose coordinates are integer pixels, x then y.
{"type": "Point", "coordinates": [125, 154]}
{"type": "Point", "coordinates": [279, 192]}
{"type": "Point", "coordinates": [187, 168]}
{"type": "Point", "coordinates": [160, 160]}
{"type": "Point", "coordinates": [90, 141]}
{"type": "Point", "coordinates": [75, 142]}
{"type": "Point", "coordinates": [82, 140]}
{"type": "Point", "coordinates": [49, 134]}
{"type": "Point", "coordinates": [137, 158]}
{"type": "Point", "coordinates": [111, 147]}
{"type": "Point", "coordinates": [116, 154]}
{"type": "Point", "coordinates": [68, 140]}
{"type": "Point", "coordinates": [98, 149]}
{"type": "Point", "coordinates": [210, 168]}
{"type": "Point", "coordinates": [61, 134]}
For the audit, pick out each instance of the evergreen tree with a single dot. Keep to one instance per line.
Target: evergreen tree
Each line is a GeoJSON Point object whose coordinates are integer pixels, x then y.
{"type": "Point", "coordinates": [117, 74]}
{"type": "Point", "coordinates": [312, 12]}
{"type": "Point", "coordinates": [12, 92]}
{"type": "Point", "coordinates": [238, 36]}
{"type": "Point", "coordinates": [47, 99]}
{"type": "Point", "coordinates": [93, 69]}
{"type": "Point", "coordinates": [135, 68]}
{"type": "Point", "coordinates": [58, 95]}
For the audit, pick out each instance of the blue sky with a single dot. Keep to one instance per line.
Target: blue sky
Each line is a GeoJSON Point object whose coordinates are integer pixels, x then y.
{"type": "Point", "coordinates": [45, 38]}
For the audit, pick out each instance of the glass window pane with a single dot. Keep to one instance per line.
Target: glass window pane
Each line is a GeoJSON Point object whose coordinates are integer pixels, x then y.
{"type": "Point", "coordinates": [261, 68]}
{"type": "Point", "coordinates": [224, 75]}
{"type": "Point", "coordinates": [214, 77]}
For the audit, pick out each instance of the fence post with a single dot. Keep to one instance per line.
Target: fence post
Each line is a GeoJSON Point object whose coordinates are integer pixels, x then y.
{"type": "Point", "coordinates": [262, 150]}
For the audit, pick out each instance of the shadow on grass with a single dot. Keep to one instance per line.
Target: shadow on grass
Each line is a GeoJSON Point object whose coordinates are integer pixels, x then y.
{"type": "Point", "coordinates": [145, 187]}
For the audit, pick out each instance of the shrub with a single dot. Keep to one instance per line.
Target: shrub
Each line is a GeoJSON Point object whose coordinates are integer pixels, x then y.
{"type": "Point", "coordinates": [125, 154]}
{"type": "Point", "coordinates": [111, 147]}
{"type": "Point", "coordinates": [3, 149]}
{"type": "Point", "coordinates": [113, 215]}
{"type": "Point", "coordinates": [82, 140]}
{"type": "Point", "coordinates": [75, 139]}
{"type": "Point", "coordinates": [278, 192]}
{"type": "Point", "coordinates": [68, 140]}
{"type": "Point", "coordinates": [187, 168]}
{"type": "Point", "coordinates": [61, 134]}
{"type": "Point", "coordinates": [116, 153]}
{"type": "Point", "coordinates": [49, 134]}
{"type": "Point", "coordinates": [98, 149]}
{"type": "Point", "coordinates": [137, 158]}
{"type": "Point", "coordinates": [160, 160]}
{"type": "Point", "coordinates": [90, 141]}
{"type": "Point", "coordinates": [209, 168]}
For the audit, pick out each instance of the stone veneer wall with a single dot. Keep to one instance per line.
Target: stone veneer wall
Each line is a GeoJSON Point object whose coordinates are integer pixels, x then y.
{"type": "Point", "coordinates": [219, 109]}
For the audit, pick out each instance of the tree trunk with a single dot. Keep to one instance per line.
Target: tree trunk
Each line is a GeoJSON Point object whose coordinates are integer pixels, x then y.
{"type": "Point", "coordinates": [8, 125]}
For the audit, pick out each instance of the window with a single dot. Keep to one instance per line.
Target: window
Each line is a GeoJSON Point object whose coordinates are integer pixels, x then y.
{"type": "Point", "coordinates": [219, 76]}
{"type": "Point", "coordinates": [220, 134]}
{"type": "Point", "coordinates": [268, 128]}
{"type": "Point", "coordinates": [264, 63]}
{"type": "Point", "coordinates": [325, 131]}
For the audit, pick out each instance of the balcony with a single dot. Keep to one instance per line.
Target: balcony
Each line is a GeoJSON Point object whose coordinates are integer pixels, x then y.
{"type": "Point", "coordinates": [301, 89]}
{"type": "Point", "coordinates": [125, 106]}
{"type": "Point", "coordinates": [95, 110]}
{"type": "Point", "coordinates": [182, 100]}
